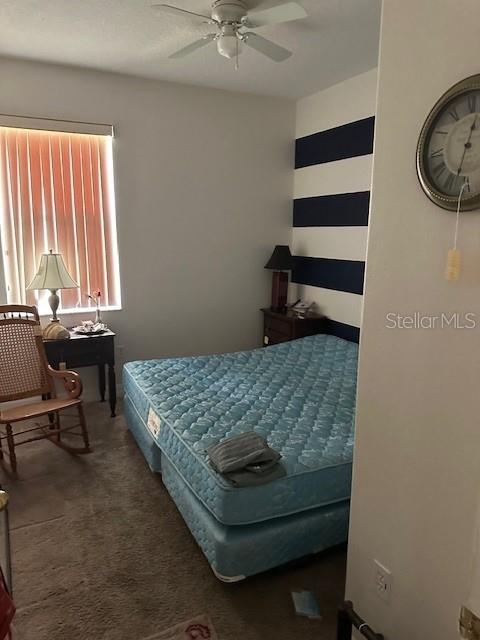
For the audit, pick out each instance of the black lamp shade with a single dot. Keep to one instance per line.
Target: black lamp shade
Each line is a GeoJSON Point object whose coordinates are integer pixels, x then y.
{"type": "Point", "coordinates": [281, 259]}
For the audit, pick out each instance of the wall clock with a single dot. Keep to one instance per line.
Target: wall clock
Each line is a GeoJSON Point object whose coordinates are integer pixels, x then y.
{"type": "Point", "coordinates": [448, 150]}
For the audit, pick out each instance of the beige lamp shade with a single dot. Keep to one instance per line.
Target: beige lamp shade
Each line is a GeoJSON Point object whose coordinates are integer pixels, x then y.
{"type": "Point", "coordinates": [52, 274]}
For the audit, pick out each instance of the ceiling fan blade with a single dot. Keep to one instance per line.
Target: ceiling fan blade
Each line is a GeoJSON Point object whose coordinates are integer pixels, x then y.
{"type": "Point", "coordinates": [168, 8]}
{"type": "Point", "coordinates": [268, 48]}
{"type": "Point", "coordinates": [275, 15]}
{"type": "Point", "coordinates": [191, 48]}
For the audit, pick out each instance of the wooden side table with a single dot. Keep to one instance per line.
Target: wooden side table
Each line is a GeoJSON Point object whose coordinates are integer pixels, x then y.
{"type": "Point", "coordinates": [87, 351]}
{"type": "Point", "coordinates": [282, 326]}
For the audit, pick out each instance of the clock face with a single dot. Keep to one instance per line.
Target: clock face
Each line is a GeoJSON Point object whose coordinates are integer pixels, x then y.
{"type": "Point", "coordinates": [448, 155]}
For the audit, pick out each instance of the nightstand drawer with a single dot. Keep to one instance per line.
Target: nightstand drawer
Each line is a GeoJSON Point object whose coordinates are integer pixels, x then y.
{"type": "Point", "coordinates": [277, 325]}
{"type": "Point", "coordinates": [80, 353]}
{"type": "Point", "coordinates": [84, 359]}
{"type": "Point", "coordinates": [282, 326]}
{"type": "Point", "coordinates": [274, 337]}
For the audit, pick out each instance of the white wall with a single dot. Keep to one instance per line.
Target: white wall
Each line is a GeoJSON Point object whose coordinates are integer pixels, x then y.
{"type": "Point", "coordinates": [417, 463]}
{"type": "Point", "coordinates": [351, 100]}
{"type": "Point", "coordinates": [203, 190]}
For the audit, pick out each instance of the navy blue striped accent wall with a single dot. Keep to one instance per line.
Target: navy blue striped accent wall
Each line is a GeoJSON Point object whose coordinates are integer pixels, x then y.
{"type": "Point", "coordinates": [348, 141]}
{"type": "Point", "coordinates": [337, 210]}
{"type": "Point", "coordinates": [328, 273]}
{"type": "Point", "coordinates": [342, 330]}
{"type": "Point", "coordinates": [331, 207]}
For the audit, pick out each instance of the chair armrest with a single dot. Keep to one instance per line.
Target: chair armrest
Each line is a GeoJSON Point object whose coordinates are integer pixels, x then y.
{"type": "Point", "coordinates": [71, 381]}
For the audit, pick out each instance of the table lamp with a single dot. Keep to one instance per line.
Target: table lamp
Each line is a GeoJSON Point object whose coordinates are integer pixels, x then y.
{"type": "Point", "coordinates": [52, 274]}
{"type": "Point", "coordinates": [280, 263]}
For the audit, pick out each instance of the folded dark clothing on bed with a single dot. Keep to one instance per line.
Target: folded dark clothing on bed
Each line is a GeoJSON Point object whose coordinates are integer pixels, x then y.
{"type": "Point", "coordinates": [246, 460]}
{"type": "Point", "coordinates": [247, 478]}
{"type": "Point", "coordinates": [242, 451]}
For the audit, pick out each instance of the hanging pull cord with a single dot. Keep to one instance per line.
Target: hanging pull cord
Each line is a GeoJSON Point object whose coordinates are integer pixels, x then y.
{"type": "Point", "coordinates": [453, 268]}
{"type": "Point", "coordinates": [464, 185]}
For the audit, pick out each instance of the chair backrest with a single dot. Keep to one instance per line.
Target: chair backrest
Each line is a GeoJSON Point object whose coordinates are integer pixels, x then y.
{"type": "Point", "coordinates": [23, 364]}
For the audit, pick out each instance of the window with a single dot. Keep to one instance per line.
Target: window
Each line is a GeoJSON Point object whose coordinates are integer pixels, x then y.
{"type": "Point", "coordinates": [56, 192]}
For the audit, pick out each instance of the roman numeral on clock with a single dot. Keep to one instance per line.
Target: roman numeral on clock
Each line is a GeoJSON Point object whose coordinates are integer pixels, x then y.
{"type": "Point", "coordinates": [449, 182]}
{"type": "Point", "coordinates": [453, 183]}
{"type": "Point", "coordinates": [453, 113]}
{"type": "Point", "coordinates": [472, 103]}
{"type": "Point", "coordinates": [437, 154]}
{"type": "Point", "coordinates": [439, 169]}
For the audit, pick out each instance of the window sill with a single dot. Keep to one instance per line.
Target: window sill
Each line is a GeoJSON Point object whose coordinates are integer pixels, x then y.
{"type": "Point", "coordinates": [77, 310]}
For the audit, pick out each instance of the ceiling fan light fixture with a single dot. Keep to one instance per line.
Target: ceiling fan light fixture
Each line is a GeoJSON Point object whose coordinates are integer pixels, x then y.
{"type": "Point", "coordinates": [228, 46]}
{"type": "Point", "coordinates": [235, 26]}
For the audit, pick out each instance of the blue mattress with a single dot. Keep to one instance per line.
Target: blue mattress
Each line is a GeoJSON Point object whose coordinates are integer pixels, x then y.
{"type": "Point", "coordinates": [299, 395]}
{"type": "Point", "coordinates": [238, 552]}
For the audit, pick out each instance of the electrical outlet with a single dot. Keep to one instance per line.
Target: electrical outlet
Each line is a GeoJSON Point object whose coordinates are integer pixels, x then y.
{"type": "Point", "coordinates": [382, 581]}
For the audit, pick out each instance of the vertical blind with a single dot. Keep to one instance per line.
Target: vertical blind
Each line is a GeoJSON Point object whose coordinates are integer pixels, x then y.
{"type": "Point", "coordinates": [56, 192]}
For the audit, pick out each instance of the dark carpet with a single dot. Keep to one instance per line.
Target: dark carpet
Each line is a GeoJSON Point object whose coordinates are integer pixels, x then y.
{"type": "Point", "coordinates": [100, 552]}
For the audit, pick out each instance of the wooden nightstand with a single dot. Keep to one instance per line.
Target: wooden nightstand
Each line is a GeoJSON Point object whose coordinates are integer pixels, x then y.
{"type": "Point", "coordinates": [87, 351]}
{"type": "Point", "coordinates": [282, 326]}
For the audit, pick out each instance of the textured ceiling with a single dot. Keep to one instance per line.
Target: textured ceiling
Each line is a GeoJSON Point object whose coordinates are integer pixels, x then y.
{"type": "Point", "coordinates": [338, 40]}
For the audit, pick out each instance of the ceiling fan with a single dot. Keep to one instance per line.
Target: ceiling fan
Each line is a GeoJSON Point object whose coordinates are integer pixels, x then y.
{"type": "Point", "coordinates": [234, 27]}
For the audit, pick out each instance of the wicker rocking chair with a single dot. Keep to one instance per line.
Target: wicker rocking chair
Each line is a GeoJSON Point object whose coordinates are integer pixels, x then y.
{"type": "Point", "coordinates": [25, 373]}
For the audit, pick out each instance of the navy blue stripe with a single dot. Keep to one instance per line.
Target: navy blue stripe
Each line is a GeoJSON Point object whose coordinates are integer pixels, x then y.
{"type": "Point", "coordinates": [341, 330]}
{"type": "Point", "coordinates": [347, 141]}
{"type": "Point", "coordinates": [339, 210]}
{"type": "Point", "coordinates": [341, 275]}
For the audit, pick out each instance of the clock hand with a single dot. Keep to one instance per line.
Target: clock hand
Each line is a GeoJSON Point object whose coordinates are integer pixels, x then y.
{"type": "Point", "coordinates": [467, 144]}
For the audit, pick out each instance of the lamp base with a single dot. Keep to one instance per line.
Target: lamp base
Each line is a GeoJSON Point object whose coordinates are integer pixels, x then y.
{"type": "Point", "coordinates": [279, 290]}
{"type": "Point", "coordinates": [53, 301]}
{"type": "Point", "coordinates": [55, 331]}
